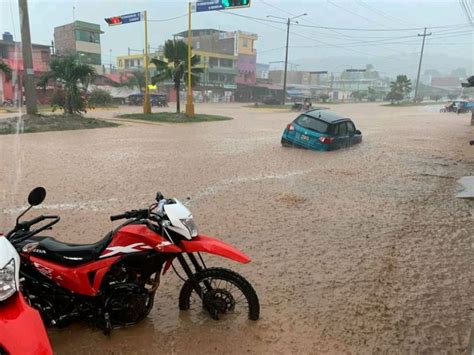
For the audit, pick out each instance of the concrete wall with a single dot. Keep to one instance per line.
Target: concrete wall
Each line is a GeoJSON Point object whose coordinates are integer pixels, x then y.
{"type": "Point", "coordinates": [65, 39]}
{"type": "Point", "coordinates": [88, 47]}
{"type": "Point", "coordinates": [292, 77]}
{"type": "Point", "coordinates": [212, 43]}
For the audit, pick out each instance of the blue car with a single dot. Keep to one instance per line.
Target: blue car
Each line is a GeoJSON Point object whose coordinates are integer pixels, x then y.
{"type": "Point", "coordinates": [321, 130]}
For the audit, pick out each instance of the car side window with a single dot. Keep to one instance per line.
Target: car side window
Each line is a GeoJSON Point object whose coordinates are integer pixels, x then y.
{"type": "Point", "coordinates": [342, 129]}
{"type": "Point", "coordinates": [350, 128]}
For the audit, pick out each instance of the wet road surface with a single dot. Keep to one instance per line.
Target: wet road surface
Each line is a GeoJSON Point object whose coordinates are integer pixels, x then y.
{"type": "Point", "coordinates": [361, 250]}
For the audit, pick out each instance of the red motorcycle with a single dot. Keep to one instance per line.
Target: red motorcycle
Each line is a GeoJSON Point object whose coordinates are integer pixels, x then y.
{"type": "Point", "coordinates": [112, 283]}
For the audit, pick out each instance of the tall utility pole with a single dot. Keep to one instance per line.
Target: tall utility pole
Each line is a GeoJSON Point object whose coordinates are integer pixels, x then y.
{"type": "Point", "coordinates": [29, 73]}
{"type": "Point", "coordinates": [146, 101]}
{"type": "Point", "coordinates": [286, 60]}
{"type": "Point", "coordinates": [189, 96]}
{"type": "Point", "coordinates": [419, 64]}
{"type": "Point", "coordinates": [288, 22]}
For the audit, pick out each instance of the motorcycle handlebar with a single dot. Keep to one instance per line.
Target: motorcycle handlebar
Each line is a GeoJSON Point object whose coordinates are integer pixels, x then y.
{"type": "Point", "coordinates": [118, 216]}
{"type": "Point", "coordinates": [27, 224]}
{"type": "Point", "coordinates": [143, 213]}
{"type": "Point", "coordinates": [35, 220]}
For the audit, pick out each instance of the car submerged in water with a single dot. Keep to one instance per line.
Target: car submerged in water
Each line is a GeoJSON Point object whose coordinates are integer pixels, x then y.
{"type": "Point", "coordinates": [321, 130]}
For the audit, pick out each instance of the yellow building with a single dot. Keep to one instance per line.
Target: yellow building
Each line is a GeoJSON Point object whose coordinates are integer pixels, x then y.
{"type": "Point", "coordinates": [136, 61]}
{"type": "Point", "coordinates": [219, 69]}
{"type": "Point", "coordinates": [245, 43]}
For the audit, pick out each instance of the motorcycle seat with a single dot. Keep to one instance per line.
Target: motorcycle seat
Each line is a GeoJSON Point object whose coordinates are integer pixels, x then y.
{"type": "Point", "coordinates": [70, 254]}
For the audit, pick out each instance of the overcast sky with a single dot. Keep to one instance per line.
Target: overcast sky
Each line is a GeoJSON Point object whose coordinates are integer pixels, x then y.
{"type": "Point", "coordinates": [311, 46]}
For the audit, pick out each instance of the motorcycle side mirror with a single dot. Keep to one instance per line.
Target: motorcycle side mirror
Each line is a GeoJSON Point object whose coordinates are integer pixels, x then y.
{"type": "Point", "coordinates": [36, 196]}
{"type": "Point", "coordinates": [159, 196]}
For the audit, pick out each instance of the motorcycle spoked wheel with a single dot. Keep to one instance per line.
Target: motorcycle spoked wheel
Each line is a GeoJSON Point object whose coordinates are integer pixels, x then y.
{"type": "Point", "coordinates": [231, 295]}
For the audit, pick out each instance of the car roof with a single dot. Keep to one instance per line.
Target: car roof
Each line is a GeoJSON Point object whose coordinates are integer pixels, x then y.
{"type": "Point", "coordinates": [326, 116]}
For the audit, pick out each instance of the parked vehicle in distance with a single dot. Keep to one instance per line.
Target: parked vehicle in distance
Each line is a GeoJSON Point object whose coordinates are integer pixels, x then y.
{"type": "Point", "coordinates": [270, 100]}
{"type": "Point", "coordinates": [458, 106]}
{"type": "Point", "coordinates": [321, 130]}
{"type": "Point", "coordinates": [159, 100]}
{"type": "Point", "coordinates": [303, 104]}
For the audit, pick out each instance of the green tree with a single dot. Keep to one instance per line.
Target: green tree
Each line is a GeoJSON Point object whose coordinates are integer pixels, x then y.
{"type": "Point", "coordinates": [435, 97]}
{"type": "Point", "coordinates": [136, 80]}
{"type": "Point", "coordinates": [452, 96]}
{"type": "Point", "coordinates": [394, 96]}
{"type": "Point", "coordinates": [176, 67]}
{"type": "Point", "coordinates": [99, 98]}
{"type": "Point", "coordinates": [359, 95]}
{"type": "Point", "coordinates": [399, 89]}
{"type": "Point", "coordinates": [73, 78]}
{"type": "Point", "coordinates": [6, 69]}
{"type": "Point", "coordinates": [373, 95]}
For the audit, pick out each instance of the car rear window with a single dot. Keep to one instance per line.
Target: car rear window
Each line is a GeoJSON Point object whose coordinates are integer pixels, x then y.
{"type": "Point", "coordinates": [312, 123]}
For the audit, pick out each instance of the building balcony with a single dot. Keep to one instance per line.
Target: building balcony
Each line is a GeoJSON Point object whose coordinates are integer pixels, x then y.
{"type": "Point", "coordinates": [223, 70]}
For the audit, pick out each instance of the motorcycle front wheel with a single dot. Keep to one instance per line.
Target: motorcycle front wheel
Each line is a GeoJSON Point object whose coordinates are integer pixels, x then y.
{"type": "Point", "coordinates": [224, 293]}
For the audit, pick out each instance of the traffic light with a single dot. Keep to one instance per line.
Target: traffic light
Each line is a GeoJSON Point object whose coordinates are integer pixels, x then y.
{"type": "Point", "coordinates": [113, 21]}
{"type": "Point", "coordinates": [230, 4]}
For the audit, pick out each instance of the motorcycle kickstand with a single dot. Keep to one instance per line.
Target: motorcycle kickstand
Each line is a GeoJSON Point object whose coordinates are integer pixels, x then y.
{"type": "Point", "coordinates": [108, 324]}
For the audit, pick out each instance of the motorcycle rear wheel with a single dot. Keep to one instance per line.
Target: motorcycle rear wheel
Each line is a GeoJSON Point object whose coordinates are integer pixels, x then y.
{"type": "Point", "coordinates": [231, 294]}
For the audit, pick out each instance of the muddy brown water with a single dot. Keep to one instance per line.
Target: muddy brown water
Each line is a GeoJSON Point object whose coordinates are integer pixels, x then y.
{"type": "Point", "coordinates": [362, 250]}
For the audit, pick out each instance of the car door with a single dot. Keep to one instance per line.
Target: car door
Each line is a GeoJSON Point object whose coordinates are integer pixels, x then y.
{"type": "Point", "coordinates": [351, 133]}
{"type": "Point", "coordinates": [342, 138]}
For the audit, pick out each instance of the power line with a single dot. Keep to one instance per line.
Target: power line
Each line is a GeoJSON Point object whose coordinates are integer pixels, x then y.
{"type": "Point", "coordinates": [383, 30]}
{"type": "Point", "coordinates": [338, 33]}
{"type": "Point", "coordinates": [169, 19]}
{"type": "Point", "coordinates": [380, 12]}
{"type": "Point", "coordinates": [361, 45]}
{"type": "Point", "coordinates": [354, 13]}
{"type": "Point", "coordinates": [345, 28]}
{"type": "Point", "coordinates": [467, 11]}
{"type": "Point", "coordinates": [344, 46]}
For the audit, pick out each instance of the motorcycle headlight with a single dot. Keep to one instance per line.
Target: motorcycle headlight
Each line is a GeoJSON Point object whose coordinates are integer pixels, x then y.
{"type": "Point", "coordinates": [190, 225]}
{"type": "Point", "coordinates": [7, 280]}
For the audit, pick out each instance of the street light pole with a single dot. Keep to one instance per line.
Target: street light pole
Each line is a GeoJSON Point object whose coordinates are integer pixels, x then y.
{"type": "Point", "coordinates": [288, 22]}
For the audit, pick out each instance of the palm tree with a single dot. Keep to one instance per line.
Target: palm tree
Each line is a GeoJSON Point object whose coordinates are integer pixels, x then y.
{"type": "Point", "coordinates": [136, 80]}
{"type": "Point", "coordinates": [401, 87]}
{"type": "Point", "coordinates": [6, 69]}
{"type": "Point", "coordinates": [73, 78]}
{"type": "Point", "coordinates": [176, 67]}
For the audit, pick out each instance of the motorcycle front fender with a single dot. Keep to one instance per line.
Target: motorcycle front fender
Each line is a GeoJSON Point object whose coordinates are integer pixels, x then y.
{"type": "Point", "coordinates": [203, 243]}
{"type": "Point", "coordinates": [21, 328]}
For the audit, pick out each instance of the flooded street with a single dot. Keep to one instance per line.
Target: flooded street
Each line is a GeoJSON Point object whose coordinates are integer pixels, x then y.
{"type": "Point", "coordinates": [361, 250]}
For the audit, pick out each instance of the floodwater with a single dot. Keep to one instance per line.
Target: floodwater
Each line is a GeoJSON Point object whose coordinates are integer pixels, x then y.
{"type": "Point", "coordinates": [362, 250]}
